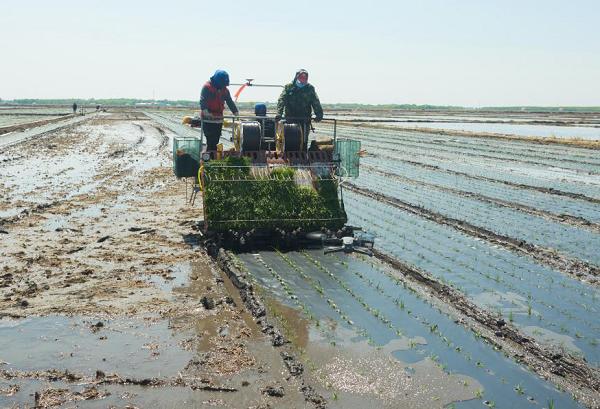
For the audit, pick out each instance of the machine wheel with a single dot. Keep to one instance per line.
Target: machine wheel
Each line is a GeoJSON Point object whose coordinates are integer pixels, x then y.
{"type": "Point", "coordinates": [249, 138]}
{"type": "Point", "coordinates": [289, 138]}
{"type": "Point", "coordinates": [237, 130]}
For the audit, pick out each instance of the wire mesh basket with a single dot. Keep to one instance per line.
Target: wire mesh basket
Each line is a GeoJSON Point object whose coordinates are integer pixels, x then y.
{"type": "Point", "coordinates": [240, 196]}
{"type": "Point", "coordinates": [348, 152]}
{"type": "Point", "coordinates": [186, 156]}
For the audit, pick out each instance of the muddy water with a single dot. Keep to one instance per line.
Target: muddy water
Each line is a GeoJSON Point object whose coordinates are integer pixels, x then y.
{"type": "Point", "coordinates": [132, 348]}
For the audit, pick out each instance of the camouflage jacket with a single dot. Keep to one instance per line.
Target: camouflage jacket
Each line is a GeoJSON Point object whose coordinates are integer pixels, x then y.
{"type": "Point", "coordinates": [297, 102]}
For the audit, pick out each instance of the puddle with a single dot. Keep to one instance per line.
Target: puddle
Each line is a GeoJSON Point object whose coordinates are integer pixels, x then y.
{"type": "Point", "coordinates": [129, 347]}
{"type": "Point", "coordinates": [375, 374]}
{"type": "Point", "coordinates": [496, 301]}
{"type": "Point", "coordinates": [8, 213]}
{"type": "Point", "coordinates": [552, 338]}
{"type": "Point", "coordinates": [178, 276]}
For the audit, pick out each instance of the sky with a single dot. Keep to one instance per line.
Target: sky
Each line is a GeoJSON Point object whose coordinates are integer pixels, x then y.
{"type": "Point", "coordinates": [441, 52]}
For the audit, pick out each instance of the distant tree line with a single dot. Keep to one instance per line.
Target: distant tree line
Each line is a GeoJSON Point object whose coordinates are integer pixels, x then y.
{"type": "Point", "coordinates": [250, 104]}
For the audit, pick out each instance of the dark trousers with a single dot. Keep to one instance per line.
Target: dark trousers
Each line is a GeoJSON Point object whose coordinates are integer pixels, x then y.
{"type": "Point", "coordinates": [212, 133]}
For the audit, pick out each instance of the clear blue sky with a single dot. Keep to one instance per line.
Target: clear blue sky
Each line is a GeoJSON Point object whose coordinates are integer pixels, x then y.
{"type": "Point", "coordinates": [471, 52]}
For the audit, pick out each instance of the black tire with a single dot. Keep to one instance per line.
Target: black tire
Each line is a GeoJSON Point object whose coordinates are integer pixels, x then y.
{"type": "Point", "coordinates": [292, 138]}
{"type": "Point", "coordinates": [250, 137]}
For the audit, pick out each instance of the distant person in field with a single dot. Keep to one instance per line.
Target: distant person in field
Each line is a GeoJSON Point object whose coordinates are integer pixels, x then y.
{"type": "Point", "coordinates": [213, 97]}
{"type": "Point", "coordinates": [74, 107]}
{"type": "Point", "coordinates": [297, 102]}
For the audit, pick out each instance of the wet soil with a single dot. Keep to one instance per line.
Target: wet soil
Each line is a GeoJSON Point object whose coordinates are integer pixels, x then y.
{"type": "Point", "coordinates": [105, 296]}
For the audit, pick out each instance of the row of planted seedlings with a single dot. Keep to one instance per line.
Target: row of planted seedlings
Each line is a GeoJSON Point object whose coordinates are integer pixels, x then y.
{"type": "Point", "coordinates": [399, 147]}
{"type": "Point", "coordinates": [546, 177]}
{"type": "Point", "coordinates": [428, 235]}
{"type": "Point", "coordinates": [570, 240]}
{"type": "Point", "coordinates": [469, 150]}
{"type": "Point", "coordinates": [543, 176]}
{"type": "Point", "coordinates": [570, 158]}
{"type": "Point", "coordinates": [271, 274]}
{"type": "Point", "coordinates": [547, 202]}
{"type": "Point", "coordinates": [515, 147]}
{"type": "Point", "coordinates": [515, 273]}
{"type": "Point", "coordinates": [503, 196]}
{"type": "Point", "coordinates": [399, 311]}
{"type": "Point", "coordinates": [515, 299]}
{"type": "Point", "coordinates": [514, 286]}
{"type": "Point", "coordinates": [384, 300]}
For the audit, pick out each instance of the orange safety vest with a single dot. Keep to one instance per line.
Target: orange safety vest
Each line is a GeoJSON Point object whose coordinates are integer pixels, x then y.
{"type": "Point", "coordinates": [215, 103]}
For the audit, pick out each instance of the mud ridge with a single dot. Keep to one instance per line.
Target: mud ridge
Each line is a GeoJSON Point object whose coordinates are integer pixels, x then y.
{"type": "Point", "coordinates": [47, 133]}
{"type": "Point", "coordinates": [259, 312]}
{"type": "Point", "coordinates": [22, 127]}
{"type": "Point", "coordinates": [55, 375]}
{"type": "Point", "coordinates": [577, 269]}
{"type": "Point", "coordinates": [575, 221]}
{"type": "Point", "coordinates": [488, 179]}
{"type": "Point", "coordinates": [564, 369]}
{"type": "Point", "coordinates": [11, 159]}
{"type": "Point", "coordinates": [40, 208]}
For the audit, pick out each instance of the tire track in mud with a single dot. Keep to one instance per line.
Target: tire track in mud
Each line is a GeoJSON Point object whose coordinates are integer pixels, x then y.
{"type": "Point", "coordinates": [164, 138]}
{"type": "Point", "coordinates": [547, 190]}
{"type": "Point", "coordinates": [256, 307]}
{"type": "Point", "coordinates": [575, 221]}
{"type": "Point", "coordinates": [577, 269]}
{"type": "Point", "coordinates": [564, 369]}
{"type": "Point", "coordinates": [122, 151]}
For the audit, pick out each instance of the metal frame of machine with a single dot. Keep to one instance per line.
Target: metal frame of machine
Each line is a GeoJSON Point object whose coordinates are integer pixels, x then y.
{"type": "Point", "coordinates": [269, 144]}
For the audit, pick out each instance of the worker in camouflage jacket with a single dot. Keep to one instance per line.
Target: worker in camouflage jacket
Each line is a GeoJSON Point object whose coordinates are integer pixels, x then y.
{"type": "Point", "coordinates": [297, 102]}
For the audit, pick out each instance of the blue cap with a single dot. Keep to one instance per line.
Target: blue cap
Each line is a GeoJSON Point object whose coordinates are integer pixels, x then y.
{"type": "Point", "coordinates": [220, 79]}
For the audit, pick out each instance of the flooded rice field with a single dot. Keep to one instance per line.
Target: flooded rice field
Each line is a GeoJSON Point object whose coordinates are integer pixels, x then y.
{"type": "Point", "coordinates": [483, 291]}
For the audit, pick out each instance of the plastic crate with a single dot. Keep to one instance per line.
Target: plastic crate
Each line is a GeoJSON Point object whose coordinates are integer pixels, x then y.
{"type": "Point", "coordinates": [186, 157]}
{"type": "Point", "coordinates": [347, 150]}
